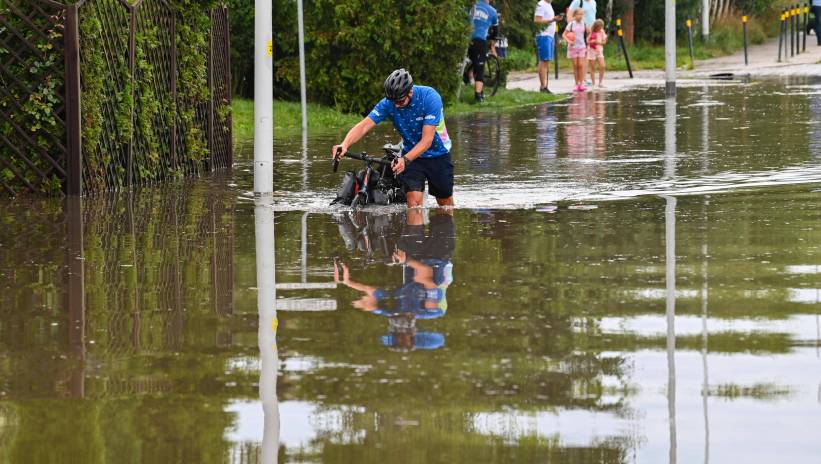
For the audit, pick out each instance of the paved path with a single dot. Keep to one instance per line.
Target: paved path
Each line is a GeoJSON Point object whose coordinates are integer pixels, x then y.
{"type": "Point", "coordinates": [763, 63]}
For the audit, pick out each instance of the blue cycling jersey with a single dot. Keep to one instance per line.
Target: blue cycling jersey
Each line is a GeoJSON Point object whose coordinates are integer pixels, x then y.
{"type": "Point", "coordinates": [484, 16]}
{"type": "Point", "coordinates": [424, 109]}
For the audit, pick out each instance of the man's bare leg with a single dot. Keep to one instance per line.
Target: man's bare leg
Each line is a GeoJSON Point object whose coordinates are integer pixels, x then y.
{"type": "Point", "coordinates": [414, 199]}
{"type": "Point", "coordinates": [445, 201]}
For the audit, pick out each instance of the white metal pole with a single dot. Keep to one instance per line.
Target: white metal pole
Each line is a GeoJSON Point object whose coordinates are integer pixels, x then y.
{"type": "Point", "coordinates": [670, 46]}
{"type": "Point", "coordinates": [268, 324]}
{"type": "Point", "coordinates": [263, 98]}
{"type": "Point", "coordinates": [670, 143]}
{"type": "Point", "coordinates": [305, 160]}
{"type": "Point", "coordinates": [705, 19]}
{"type": "Point", "coordinates": [303, 93]}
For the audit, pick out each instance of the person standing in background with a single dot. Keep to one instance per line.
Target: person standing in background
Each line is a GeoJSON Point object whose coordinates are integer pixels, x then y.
{"type": "Point", "coordinates": [576, 48]}
{"type": "Point", "coordinates": [589, 7]}
{"type": "Point", "coordinates": [546, 18]}
{"type": "Point", "coordinates": [483, 17]}
{"type": "Point", "coordinates": [596, 41]}
{"type": "Point", "coordinates": [816, 11]}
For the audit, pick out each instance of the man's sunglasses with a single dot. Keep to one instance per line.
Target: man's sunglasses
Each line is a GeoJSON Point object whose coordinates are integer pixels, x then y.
{"type": "Point", "coordinates": [401, 99]}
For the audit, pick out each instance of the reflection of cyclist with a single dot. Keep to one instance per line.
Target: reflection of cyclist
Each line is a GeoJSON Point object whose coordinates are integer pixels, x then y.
{"type": "Point", "coordinates": [428, 272]}
{"type": "Point", "coordinates": [417, 114]}
{"type": "Point", "coordinates": [484, 17]}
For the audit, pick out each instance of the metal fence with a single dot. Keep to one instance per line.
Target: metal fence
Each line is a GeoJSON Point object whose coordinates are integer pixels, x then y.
{"type": "Point", "coordinates": [45, 74]}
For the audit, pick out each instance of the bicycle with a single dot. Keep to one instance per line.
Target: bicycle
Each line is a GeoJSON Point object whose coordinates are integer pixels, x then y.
{"type": "Point", "coordinates": [376, 183]}
{"type": "Point", "coordinates": [493, 73]}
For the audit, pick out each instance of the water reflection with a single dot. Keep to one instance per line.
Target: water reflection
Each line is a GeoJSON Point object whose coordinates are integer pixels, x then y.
{"type": "Point", "coordinates": [585, 135]}
{"type": "Point", "coordinates": [815, 121]}
{"type": "Point", "coordinates": [670, 241]}
{"type": "Point", "coordinates": [427, 271]}
{"type": "Point", "coordinates": [546, 138]}
{"type": "Point", "coordinates": [264, 238]}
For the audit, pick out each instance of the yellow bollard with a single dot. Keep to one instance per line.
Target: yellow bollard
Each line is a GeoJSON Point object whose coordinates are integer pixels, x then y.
{"type": "Point", "coordinates": [620, 33]}
{"type": "Point", "coordinates": [781, 32]}
{"type": "Point", "coordinates": [690, 43]}
{"type": "Point", "coordinates": [744, 27]}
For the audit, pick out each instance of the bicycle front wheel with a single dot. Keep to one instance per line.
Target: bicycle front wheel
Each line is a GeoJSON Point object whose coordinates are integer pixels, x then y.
{"type": "Point", "coordinates": [359, 200]}
{"type": "Point", "coordinates": [493, 74]}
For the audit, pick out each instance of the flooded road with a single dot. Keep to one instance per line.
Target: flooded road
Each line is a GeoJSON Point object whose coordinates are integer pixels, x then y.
{"type": "Point", "coordinates": [720, 136]}
{"type": "Point", "coordinates": [541, 321]}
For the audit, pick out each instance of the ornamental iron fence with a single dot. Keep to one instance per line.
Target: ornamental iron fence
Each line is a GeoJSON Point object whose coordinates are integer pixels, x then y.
{"type": "Point", "coordinates": [105, 95]}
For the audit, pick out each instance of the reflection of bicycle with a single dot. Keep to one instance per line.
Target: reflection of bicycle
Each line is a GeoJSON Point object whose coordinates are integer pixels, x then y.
{"type": "Point", "coordinates": [493, 72]}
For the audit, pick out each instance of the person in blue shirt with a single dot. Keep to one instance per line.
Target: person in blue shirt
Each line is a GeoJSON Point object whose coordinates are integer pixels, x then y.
{"type": "Point", "coordinates": [483, 17]}
{"type": "Point", "coordinates": [417, 114]}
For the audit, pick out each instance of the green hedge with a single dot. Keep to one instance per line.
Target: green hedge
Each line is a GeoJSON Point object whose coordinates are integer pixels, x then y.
{"type": "Point", "coordinates": [355, 44]}
{"type": "Point", "coordinates": [352, 45]}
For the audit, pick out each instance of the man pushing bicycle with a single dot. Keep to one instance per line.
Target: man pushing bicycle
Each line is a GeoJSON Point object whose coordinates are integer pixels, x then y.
{"type": "Point", "coordinates": [417, 114]}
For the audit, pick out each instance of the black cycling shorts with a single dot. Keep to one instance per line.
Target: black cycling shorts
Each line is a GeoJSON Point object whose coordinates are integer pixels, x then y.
{"type": "Point", "coordinates": [477, 53]}
{"type": "Point", "coordinates": [438, 172]}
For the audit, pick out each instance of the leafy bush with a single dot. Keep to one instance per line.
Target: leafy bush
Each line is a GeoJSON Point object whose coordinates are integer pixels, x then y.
{"type": "Point", "coordinates": [519, 59]}
{"type": "Point", "coordinates": [286, 64]}
{"type": "Point", "coordinates": [352, 45]}
{"type": "Point", "coordinates": [355, 44]}
{"type": "Point", "coordinates": [516, 19]}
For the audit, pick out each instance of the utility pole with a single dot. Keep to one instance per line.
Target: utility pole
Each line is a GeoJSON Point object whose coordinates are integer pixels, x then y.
{"type": "Point", "coordinates": [705, 19]}
{"type": "Point", "coordinates": [302, 84]}
{"type": "Point", "coordinates": [670, 46]}
{"type": "Point", "coordinates": [263, 98]}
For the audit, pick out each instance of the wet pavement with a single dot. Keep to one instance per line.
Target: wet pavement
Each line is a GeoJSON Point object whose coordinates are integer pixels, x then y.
{"type": "Point", "coordinates": [650, 293]}
{"type": "Point", "coordinates": [762, 61]}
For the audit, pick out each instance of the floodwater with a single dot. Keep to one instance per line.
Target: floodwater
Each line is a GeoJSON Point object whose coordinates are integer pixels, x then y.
{"type": "Point", "coordinates": [648, 294]}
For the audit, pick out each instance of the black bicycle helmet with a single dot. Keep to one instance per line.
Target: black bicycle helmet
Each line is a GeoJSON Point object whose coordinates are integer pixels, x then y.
{"type": "Point", "coordinates": [398, 85]}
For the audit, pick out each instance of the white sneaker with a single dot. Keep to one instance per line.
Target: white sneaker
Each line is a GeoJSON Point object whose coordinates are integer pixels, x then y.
{"type": "Point", "coordinates": [588, 82]}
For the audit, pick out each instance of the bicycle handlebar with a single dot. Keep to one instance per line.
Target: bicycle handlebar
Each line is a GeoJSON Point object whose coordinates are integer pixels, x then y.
{"type": "Point", "coordinates": [369, 159]}
{"type": "Point", "coordinates": [358, 156]}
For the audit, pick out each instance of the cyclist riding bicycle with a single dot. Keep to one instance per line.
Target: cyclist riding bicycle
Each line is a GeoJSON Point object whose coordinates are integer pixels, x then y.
{"type": "Point", "coordinates": [417, 114]}
{"type": "Point", "coordinates": [484, 17]}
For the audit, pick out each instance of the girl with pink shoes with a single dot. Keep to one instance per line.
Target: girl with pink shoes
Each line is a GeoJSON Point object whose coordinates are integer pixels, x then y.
{"type": "Point", "coordinates": [576, 47]}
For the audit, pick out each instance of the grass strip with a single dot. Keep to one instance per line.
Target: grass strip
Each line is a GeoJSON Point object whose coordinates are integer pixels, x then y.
{"type": "Point", "coordinates": [288, 115]}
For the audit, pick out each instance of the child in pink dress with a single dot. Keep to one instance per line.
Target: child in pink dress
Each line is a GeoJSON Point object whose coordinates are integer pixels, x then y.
{"type": "Point", "coordinates": [595, 52]}
{"type": "Point", "coordinates": [576, 47]}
